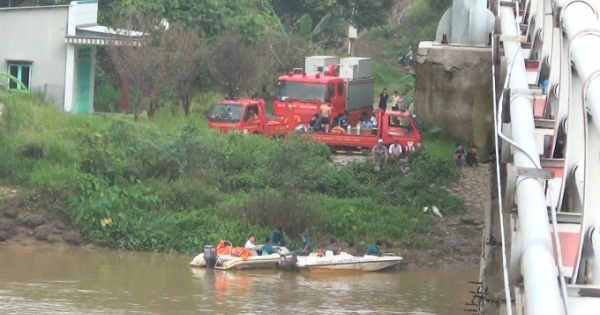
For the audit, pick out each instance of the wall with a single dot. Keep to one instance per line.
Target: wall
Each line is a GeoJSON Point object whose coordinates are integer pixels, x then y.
{"type": "Point", "coordinates": [454, 90]}
{"type": "Point", "coordinates": [37, 34]}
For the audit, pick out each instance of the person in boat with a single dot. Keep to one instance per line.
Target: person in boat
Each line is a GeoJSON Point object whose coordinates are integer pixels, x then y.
{"type": "Point", "coordinates": [277, 237]}
{"type": "Point", "coordinates": [267, 248]}
{"type": "Point", "coordinates": [333, 246]}
{"type": "Point", "coordinates": [250, 245]}
{"type": "Point", "coordinates": [375, 249]}
{"type": "Point", "coordinates": [306, 247]}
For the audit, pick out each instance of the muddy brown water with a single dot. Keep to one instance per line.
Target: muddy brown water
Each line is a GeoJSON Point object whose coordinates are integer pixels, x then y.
{"type": "Point", "coordinates": [77, 281]}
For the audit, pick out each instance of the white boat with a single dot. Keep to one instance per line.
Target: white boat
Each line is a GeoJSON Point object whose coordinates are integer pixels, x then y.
{"type": "Point", "coordinates": [225, 262]}
{"type": "Point", "coordinates": [347, 262]}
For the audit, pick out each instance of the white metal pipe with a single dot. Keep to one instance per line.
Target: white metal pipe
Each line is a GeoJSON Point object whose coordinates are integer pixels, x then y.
{"type": "Point", "coordinates": [579, 17]}
{"type": "Point", "coordinates": [595, 238]}
{"type": "Point", "coordinates": [538, 264]}
{"type": "Point", "coordinates": [578, 175]}
{"type": "Point", "coordinates": [580, 24]}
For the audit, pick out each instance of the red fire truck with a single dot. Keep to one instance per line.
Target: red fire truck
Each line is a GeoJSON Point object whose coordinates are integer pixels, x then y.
{"type": "Point", "coordinates": [345, 84]}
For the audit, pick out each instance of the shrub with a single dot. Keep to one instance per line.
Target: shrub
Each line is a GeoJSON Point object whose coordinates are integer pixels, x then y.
{"type": "Point", "coordinates": [175, 185]}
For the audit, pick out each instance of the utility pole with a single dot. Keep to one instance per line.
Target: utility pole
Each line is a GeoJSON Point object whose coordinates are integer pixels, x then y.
{"type": "Point", "coordinates": [352, 32]}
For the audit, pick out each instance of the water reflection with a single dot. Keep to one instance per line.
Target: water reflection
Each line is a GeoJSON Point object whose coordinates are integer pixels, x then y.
{"type": "Point", "coordinates": [110, 282]}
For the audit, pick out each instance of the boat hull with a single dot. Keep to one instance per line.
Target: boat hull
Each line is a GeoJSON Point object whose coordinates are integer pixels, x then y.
{"type": "Point", "coordinates": [347, 263]}
{"type": "Point", "coordinates": [226, 262]}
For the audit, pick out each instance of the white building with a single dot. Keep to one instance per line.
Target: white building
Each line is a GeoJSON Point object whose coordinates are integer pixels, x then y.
{"type": "Point", "coordinates": [52, 50]}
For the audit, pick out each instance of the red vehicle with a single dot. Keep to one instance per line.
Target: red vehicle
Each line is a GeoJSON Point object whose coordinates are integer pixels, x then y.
{"type": "Point", "coordinates": [346, 84]}
{"type": "Point", "coordinates": [392, 125]}
{"type": "Point", "coordinates": [247, 116]}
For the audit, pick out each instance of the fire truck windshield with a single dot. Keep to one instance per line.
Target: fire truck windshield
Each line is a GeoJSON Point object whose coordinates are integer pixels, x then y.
{"type": "Point", "coordinates": [300, 90]}
{"type": "Point", "coordinates": [226, 113]}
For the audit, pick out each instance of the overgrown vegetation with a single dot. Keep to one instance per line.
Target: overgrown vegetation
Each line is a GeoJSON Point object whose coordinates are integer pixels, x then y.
{"type": "Point", "coordinates": [175, 185]}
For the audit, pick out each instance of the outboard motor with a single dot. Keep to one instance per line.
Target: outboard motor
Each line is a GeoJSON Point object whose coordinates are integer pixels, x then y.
{"type": "Point", "coordinates": [288, 261]}
{"type": "Point", "coordinates": [210, 255]}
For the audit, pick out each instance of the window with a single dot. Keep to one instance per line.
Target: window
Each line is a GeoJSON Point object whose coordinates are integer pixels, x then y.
{"type": "Point", "coordinates": [300, 91]}
{"type": "Point", "coordinates": [340, 88]}
{"type": "Point", "coordinates": [331, 91]}
{"type": "Point", "coordinates": [226, 113]}
{"type": "Point", "coordinates": [21, 72]}
{"type": "Point", "coordinates": [400, 122]}
{"type": "Point", "coordinates": [251, 112]}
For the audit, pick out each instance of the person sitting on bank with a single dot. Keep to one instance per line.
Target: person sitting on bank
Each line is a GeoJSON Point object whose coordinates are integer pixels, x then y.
{"type": "Point", "coordinates": [379, 151]}
{"type": "Point", "coordinates": [333, 246]}
{"type": "Point", "coordinates": [250, 245]}
{"type": "Point", "coordinates": [277, 237]}
{"type": "Point", "coordinates": [472, 158]}
{"type": "Point", "coordinates": [375, 249]}
{"type": "Point", "coordinates": [267, 248]}
{"type": "Point", "coordinates": [396, 150]}
{"type": "Point", "coordinates": [459, 156]}
{"type": "Point", "coordinates": [305, 247]}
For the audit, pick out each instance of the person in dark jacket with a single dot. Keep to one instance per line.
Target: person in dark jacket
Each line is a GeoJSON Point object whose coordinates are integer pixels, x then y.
{"type": "Point", "coordinates": [344, 121]}
{"type": "Point", "coordinates": [383, 99]}
{"type": "Point", "coordinates": [277, 237]}
{"type": "Point", "coordinates": [375, 249]}
{"type": "Point", "coordinates": [267, 248]}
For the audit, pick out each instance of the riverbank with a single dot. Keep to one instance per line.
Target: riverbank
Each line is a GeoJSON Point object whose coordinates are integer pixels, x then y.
{"type": "Point", "coordinates": [172, 185]}
{"type": "Point", "coordinates": [458, 248]}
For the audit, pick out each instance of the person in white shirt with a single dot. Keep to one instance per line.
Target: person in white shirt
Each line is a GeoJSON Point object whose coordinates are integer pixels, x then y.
{"type": "Point", "coordinates": [394, 99]}
{"type": "Point", "coordinates": [374, 120]}
{"type": "Point", "coordinates": [250, 245]}
{"type": "Point", "coordinates": [396, 150]}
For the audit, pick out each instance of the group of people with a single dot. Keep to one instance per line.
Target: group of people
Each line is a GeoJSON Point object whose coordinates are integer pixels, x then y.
{"type": "Point", "coordinates": [396, 100]}
{"type": "Point", "coordinates": [381, 153]}
{"type": "Point", "coordinates": [277, 238]}
{"type": "Point", "coordinates": [462, 158]}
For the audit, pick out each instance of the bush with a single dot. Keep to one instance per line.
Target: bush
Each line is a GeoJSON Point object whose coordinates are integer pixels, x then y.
{"type": "Point", "coordinates": [175, 185]}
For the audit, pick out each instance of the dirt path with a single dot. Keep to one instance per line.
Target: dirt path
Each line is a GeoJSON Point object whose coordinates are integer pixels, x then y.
{"type": "Point", "coordinates": [459, 235]}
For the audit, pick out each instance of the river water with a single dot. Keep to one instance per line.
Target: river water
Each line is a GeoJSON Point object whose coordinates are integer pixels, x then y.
{"type": "Point", "coordinates": [77, 281]}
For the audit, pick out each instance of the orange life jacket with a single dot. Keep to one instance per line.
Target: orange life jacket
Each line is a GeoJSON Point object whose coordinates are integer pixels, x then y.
{"type": "Point", "coordinates": [223, 249]}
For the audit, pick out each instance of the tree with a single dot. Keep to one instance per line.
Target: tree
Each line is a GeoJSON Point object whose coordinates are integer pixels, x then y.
{"type": "Point", "coordinates": [143, 58]}
{"type": "Point", "coordinates": [303, 28]}
{"type": "Point", "coordinates": [365, 14]}
{"type": "Point", "coordinates": [189, 62]}
{"type": "Point", "coordinates": [248, 18]}
{"type": "Point", "coordinates": [235, 64]}
{"type": "Point", "coordinates": [280, 54]}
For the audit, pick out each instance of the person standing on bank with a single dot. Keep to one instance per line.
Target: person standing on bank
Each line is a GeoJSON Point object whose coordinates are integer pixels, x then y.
{"type": "Point", "coordinates": [394, 99]}
{"type": "Point", "coordinates": [383, 99]}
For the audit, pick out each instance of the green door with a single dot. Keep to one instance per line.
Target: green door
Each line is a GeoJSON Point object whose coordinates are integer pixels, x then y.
{"type": "Point", "coordinates": [84, 68]}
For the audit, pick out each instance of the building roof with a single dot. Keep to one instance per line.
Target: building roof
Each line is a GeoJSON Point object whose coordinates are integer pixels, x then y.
{"type": "Point", "coordinates": [100, 35]}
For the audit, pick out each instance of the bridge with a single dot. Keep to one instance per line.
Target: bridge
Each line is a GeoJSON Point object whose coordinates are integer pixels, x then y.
{"type": "Point", "coordinates": [547, 128]}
